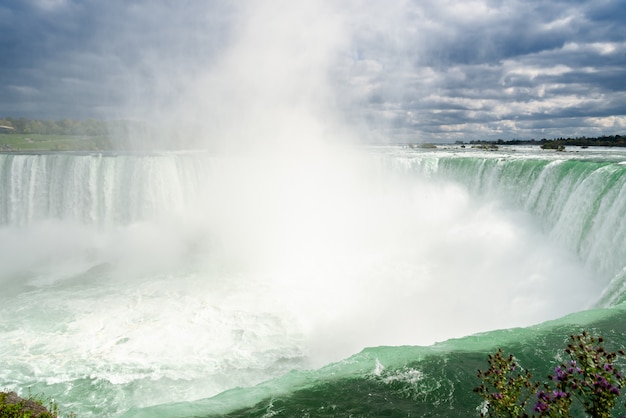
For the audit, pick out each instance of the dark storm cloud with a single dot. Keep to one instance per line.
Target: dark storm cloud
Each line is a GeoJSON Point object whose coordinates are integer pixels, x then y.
{"type": "Point", "coordinates": [45, 49]}
{"type": "Point", "coordinates": [64, 58]}
{"type": "Point", "coordinates": [404, 71]}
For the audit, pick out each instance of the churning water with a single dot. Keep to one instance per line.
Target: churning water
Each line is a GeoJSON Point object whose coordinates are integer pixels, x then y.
{"type": "Point", "coordinates": [145, 285]}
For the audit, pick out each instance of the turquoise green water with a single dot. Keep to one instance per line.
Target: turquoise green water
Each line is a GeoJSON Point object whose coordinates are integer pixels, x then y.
{"type": "Point", "coordinates": [408, 381]}
{"type": "Point", "coordinates": [579, 203]}
{"type": "Point", "coordinates": [188, 285]}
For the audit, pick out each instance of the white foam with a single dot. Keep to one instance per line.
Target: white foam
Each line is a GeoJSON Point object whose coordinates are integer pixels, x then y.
{"type": "Point", "coordinates": [287, 262]}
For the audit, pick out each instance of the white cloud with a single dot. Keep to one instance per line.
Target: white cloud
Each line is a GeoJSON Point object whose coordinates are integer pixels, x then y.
{"type": "Point", "coordinates": [49, 5]}
{"type": "Point", "coordinates": [513, 69]}
{"type": "Point", "coordinates": [610, 122]}
{"type": "Point", "coordinates": [558, 24]}
{"type": "Point", "coordinates": [24, 90]}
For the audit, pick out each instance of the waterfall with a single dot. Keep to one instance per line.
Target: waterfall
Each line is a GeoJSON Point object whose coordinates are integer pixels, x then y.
{"type": "Point", "coordinates": [580, 203]}
{"type": "Point", "coordinates": [159, 277]}
{"type": "Point", "coordinates": [97, 189]}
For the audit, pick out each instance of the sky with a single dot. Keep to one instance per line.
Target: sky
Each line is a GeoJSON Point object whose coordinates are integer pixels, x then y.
{"type": "Point", "coordinates": [388, 71]}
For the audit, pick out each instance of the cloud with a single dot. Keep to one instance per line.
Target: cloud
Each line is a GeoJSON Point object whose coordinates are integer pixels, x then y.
{"type": "Point", "coordinates": [493, 70]}
{"type": "Point", "coordinates": [403, 71]}
{"type": "Point", "coordinates": [49, 5]}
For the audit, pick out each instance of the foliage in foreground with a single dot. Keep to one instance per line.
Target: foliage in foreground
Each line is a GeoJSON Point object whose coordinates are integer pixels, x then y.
{"type": "Point", "coordinates": [12, 406]}
{"type": "Point", "coordinates": [588, 380]}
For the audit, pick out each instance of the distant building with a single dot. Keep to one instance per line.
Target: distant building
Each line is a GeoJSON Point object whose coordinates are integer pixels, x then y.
{"type": "Point", "coordinates": [6, 129]}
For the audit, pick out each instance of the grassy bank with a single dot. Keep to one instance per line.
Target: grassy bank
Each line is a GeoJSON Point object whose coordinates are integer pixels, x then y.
{"type": "Point", "coordinates": [10, 142]}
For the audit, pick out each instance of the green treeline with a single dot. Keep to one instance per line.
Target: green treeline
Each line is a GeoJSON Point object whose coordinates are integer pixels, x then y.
{"type": "Point", "coordinates": [559, 143]}
{"type": "Point", "coordinates": [88, 127]}
{"type": "Point", "coordinates": [21, 134]}
{"type": "Point", "coordinates": [26, 132]}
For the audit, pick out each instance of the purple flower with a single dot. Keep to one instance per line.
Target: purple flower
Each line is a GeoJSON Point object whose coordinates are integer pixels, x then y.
{"type": "Point", "coordinates": [541, 407]}
{"type": "Point", "coordinates": [558, 374]}
{"type": "Point", "coordinates": [601, 382]}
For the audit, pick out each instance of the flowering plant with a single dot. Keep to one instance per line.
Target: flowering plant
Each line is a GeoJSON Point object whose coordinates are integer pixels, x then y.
{"type": "Point", "coordinates": [588, 377]}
